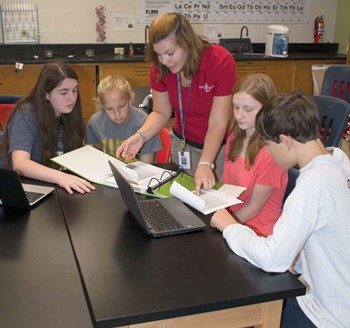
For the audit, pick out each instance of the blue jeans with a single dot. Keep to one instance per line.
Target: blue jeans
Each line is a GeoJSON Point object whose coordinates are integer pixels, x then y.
{"type": "Point", "coordinates": [293, 316]}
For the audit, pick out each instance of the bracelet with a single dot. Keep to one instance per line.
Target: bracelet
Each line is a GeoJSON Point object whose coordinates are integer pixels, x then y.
{"type": "Point", "coordinates": [209, 164]}
{"type": "Point", "coordinates": [142, 136]}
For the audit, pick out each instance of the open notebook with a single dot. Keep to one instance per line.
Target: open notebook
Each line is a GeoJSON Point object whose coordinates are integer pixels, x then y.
{"type": "Point", "coordinates": [16, 194]}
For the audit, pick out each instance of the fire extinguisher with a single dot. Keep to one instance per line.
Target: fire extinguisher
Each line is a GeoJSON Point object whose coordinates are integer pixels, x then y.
{"type": "Point", "coordinates": [319, 28]}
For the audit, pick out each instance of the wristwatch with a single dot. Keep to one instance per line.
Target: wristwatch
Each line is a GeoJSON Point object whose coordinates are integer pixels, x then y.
{"type": "Point", "coordinates": [209, 164]}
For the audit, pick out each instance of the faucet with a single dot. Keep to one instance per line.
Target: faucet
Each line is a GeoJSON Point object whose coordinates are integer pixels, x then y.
{"type": "Point", "coordinates": [241, 44]}
{"type": "Point", "coordinates": [146, 35]}
{"type": "Point", "coordinates": [242, 29]}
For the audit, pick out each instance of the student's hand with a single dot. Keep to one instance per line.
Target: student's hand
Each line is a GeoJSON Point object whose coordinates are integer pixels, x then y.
{"type": "Point", "coordinates": [73, 183]}
{"type": "Point", "coordinates": [221, 219]}
{"type": "Point", "coordinates": [204, 178]}
{"type": "Point", "coordinates": [130, 147]}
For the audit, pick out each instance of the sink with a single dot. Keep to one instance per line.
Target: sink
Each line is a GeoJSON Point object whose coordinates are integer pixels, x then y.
{"type": "Point", "coordinates": [141, 56]}
{"type": "Point", "coordinates": [252, 54]}
{"type": "Point", "coordinates": [249, 54]}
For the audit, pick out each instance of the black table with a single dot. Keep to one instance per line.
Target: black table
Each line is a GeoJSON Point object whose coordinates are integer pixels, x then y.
{"type": "Point", "coordinates": [40, 285]}
{"type": "Point", "coordinates": [132, 278]}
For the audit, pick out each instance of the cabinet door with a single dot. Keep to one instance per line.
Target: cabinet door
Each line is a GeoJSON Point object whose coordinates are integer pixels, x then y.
{"type": "Point", "coordinates": [303, 73]}
{"type": "Point", "coordinates": [281, 72]}
{"type": "Point", "coordinates": [87, 87]}
{"type": "Point", "coordinates": [18, 82]}
{"type": "Point", "coordinates": [137, 73]}
{"type": "Point", "coordinates": [244, 68]}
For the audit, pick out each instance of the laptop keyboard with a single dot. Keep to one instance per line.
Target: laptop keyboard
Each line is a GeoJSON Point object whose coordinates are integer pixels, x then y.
{"type": "Point", "coordinates": [158, 217]}
{"type": "Point", "coordinates": [33, 196]}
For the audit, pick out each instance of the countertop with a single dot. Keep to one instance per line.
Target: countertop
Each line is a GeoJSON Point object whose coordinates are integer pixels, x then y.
{"type": "Point", "coordinates": [141, 58]}
{"type": "Point", "coordinates": [10, 54]}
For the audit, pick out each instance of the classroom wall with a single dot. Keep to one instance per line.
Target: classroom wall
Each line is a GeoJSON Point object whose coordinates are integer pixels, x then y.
{"type": "Point", "coordinates": [73, 21]}
{"type": "Point", "coordinates": [342, 26]}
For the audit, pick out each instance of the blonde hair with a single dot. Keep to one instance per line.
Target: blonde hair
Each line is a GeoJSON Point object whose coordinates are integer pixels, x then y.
{"type": "Point", "coordinates": [116, 83]}
{"type": "Point", "coordinates": [261, 88]}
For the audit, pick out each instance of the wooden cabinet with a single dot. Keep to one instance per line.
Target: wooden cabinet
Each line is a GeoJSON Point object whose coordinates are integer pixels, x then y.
{"type": "Point", "coordinates": [303, 73]}
{"type": "Point", "coordinates": [282, 73]}
{"type": "Point", "coordinates": [18, 82]}
{"type": "Point", "coordinates": [287, 74]}
{"type": "Point", "coordinates": [244, 68]}
{"type": "Point", "coordinates": [137, 73]}
{"type": "Point", "coordinates": [87, 87]}
{"type": "Point", "coordinates": [21, 82]}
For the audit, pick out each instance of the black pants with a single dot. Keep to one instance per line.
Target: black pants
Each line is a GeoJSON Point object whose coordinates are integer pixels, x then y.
{"type": "Point", "coordinates": [293, 316]}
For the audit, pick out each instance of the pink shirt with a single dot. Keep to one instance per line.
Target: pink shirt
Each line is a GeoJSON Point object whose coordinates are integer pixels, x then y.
{"type": "Point", "coordinates": [266, 172]}
{"type": "Point", "coordinates": [216, 77]}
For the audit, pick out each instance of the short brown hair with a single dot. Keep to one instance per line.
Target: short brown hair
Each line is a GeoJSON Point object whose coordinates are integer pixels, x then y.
{"type": "Point", "coordinates": [292, 114]}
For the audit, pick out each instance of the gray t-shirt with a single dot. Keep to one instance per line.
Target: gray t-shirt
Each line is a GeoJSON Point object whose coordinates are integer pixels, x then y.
{"type": "Point", "coordinates": [101, 129]}
{"type": "Point", "coordinates": [24, 133]}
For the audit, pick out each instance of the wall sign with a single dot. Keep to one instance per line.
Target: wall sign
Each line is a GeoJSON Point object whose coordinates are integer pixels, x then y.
{"type": "Point", "coordinates": [234, 11]}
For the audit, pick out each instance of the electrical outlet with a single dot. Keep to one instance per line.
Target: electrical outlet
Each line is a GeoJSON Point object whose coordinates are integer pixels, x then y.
{"type": "Point", "coordinates": [119, 51]}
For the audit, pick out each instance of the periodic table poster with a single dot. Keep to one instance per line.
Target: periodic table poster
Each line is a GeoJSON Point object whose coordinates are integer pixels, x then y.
{"type": "Point", "coordinates": [234, 11]}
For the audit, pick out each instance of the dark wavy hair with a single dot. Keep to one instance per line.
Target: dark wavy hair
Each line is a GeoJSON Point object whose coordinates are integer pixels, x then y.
{"type": "Point", "coordinates": [51, 76]}
{"type": "Point", "coordinates": [292, 114]}
{"type": "Point", "coordinates": [174, 23]}
{"type": "Point", "coordinates": [261, 88]}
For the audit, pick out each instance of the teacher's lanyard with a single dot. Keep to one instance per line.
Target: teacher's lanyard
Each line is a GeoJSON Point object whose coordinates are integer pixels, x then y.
{"type": "Point", "coordinates": [182, 114]}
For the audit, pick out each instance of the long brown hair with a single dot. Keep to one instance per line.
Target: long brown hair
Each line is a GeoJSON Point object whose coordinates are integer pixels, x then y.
{"type": "Point", "coordinates": [174, 23]}
{"type": "Point", "coordinates": [261, 88]}
{"type": "Point", "coordinates": [73, 124]}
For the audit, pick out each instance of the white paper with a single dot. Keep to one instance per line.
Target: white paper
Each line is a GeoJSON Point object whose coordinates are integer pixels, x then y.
{"type": "Point", "coordinates": [210, 200]}
{"type": "Point", "coordinates": [124, 22]}
{"type": "Point", "coordinates": [92, 164]}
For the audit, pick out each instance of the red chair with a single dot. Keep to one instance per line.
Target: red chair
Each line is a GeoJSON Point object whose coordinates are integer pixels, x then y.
{"type": "Point", "coordinates": [164, 155]}
{"type": "Point", "coordinates": [5, 112]}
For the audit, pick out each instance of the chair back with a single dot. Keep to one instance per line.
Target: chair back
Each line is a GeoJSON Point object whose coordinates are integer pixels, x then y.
{"type": "Point", "coordinates": [164, 155]}
{"type": "Point", "coordinates": [293, 174]}
{"type": "Point", "coordinates": [334, 114]}
{"type": "Point", "coordinates": [336, 82]}
{"type": "Point", "coordinates": [12, 99]}
{"type": "Point", "coordinates": [348, 54]}
{"type": "Point", "coordinates": [5, 112]}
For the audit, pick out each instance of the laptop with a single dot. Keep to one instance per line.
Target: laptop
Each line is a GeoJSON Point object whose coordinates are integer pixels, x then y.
{"type": "Point", "coordinates": [157, 217]}
{"type": "Point", "coordinates": [16, 194]}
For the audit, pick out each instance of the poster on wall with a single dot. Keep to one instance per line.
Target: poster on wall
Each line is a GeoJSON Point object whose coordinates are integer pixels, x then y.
{"type": "Point", "coordinates": [234, 11]}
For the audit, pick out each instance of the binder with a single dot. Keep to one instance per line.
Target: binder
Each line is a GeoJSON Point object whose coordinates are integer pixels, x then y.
{"type": "Point", "coordinates": [154, 183]}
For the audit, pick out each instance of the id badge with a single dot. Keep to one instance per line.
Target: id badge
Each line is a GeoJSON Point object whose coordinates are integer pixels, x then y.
{"type": "Point", "coordinates": [184, 159]}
